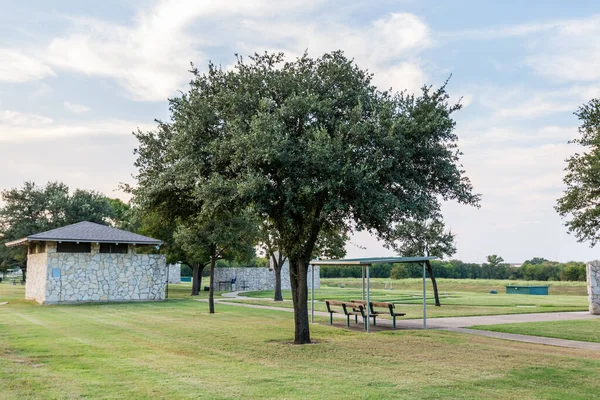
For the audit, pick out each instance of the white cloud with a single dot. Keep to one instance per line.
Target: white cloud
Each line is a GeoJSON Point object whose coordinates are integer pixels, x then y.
{"type": "Point", "coordinates": [15, 118]}
{"type": "Point", "coordinates": [76, 108]}
{"type": "Point", "coordinates": [17, 67]}
{"type": "Point", "coordinates": [150, 57]}
{"type": "Point", "coordinates": [522, 102]}
{"type": "Point", "coordinates": [564, 50]}
{"type": "Point", "coordinates": [570, 52]}
{"type": "Point", "coordinates": [42, 90]}
{"type": "Point", "coordinates": [477, 138]}
{"type": "Point", "coordinates": [387, 47]}
{"type": "Point", "coordinates": [18, 127]}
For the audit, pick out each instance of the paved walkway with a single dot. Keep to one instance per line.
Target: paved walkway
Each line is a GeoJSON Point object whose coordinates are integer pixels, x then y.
{"type": "Point", "coordinates": [574, 344]}
{"type": "Point", "coordinates": [461, 324]}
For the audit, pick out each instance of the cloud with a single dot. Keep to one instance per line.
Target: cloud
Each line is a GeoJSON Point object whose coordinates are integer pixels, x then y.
{"type": "Point", "coordinates": [564, 50]}
{"type": "Point", "coordinates": [521, 102]}
{"type": "Point", "coordinates": [150, 56]}
{"type": "Point", "coordinates": [76, 108]}
{"type": "Point", "coordinates": [474, 136]}
{"type": "Point", "coordinates": [18, 127]}
{"type": "Point", "coordinates": [388, 46]}
{"type": "Point", "coordinates": [15, 118]}
{"type": "Point", "coordinates": [17, 67]}
{"type": "Point", "coordinates": [570, 52]}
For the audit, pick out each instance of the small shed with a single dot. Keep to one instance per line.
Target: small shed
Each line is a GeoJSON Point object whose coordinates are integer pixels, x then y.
{"type": "Point", "coordinates": [87, 262]}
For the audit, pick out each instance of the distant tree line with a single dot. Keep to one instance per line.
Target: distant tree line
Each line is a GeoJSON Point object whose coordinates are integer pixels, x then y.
{"type": "Point", "coordinates": [536, 269]}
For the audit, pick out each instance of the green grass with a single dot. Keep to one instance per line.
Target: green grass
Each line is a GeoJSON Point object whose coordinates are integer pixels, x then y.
{"type": "Point", "coordinates": [458, 297]}
{"type": "Point", "coordinates": [175, 349]}
{"type": "Point", "coordinates": [582, 330]}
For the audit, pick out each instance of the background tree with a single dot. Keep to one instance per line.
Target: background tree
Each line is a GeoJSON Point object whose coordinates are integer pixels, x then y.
{"type": "Point", "coordinates": [535, 260]}
{"type": "Point", "coordinates": [330, 244]}
{"type": "Point", "coordinates": [494, 260]}
{"type": "Point", "coordinates": [270, 243]}
{"type": "Point", "coordinates": [309, 144]}
{"type": "Point", "coordinates": [173, 169]}
{"type": "Point", "coordinates": [212, 239]}
{"type": "Point", "coordinates": [34, 209]}
{"type": "Point", "coordinates": [150, 223]}
{"type": "Point", "coordinates": [423, 237]}
{"type": "Point", "coordinates": [581, 199]}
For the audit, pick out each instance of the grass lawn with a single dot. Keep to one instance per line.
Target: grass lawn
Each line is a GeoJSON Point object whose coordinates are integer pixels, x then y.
{"type": "Point", "coordinates": [458, 297]}
{"type": "Point", "coordinates": [175, 349]}
{"type": "Point", "coordinates": [584, 330]}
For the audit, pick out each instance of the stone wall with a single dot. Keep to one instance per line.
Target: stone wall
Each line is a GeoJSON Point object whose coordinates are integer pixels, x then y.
{"type": "Point", "coordinates": [85, 277]}
{"type": "Point", "coordinates": [174, 273]}
{"type": "Point", "coordinates": [258, 278]}
{"type": "Point", "coordinates": [35, 285]}
{"type": "Point", "coordinates": [593, 286]}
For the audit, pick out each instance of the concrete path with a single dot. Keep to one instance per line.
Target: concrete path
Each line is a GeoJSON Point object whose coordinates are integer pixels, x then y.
{"type": "Point", "coordinates": [461, 324]}
{"type": "Point", "coordinates": [234, 296]}
{"type": "Point", "coordinates": [574, 344]}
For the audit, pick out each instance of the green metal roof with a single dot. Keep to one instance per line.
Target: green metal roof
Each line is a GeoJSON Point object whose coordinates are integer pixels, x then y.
{"type": "Point", "coordinates": [373, 260]}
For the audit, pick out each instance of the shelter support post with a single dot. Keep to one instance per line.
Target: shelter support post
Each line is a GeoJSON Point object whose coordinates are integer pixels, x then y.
{"type": "Point", "coordinates": [424, 296]}
{"type": "Point", "coordinates": [368, 304]}
{"type": "Point", "coordinates": [312, 294]}
{"type": "Point", "coordinates": [363, 282]}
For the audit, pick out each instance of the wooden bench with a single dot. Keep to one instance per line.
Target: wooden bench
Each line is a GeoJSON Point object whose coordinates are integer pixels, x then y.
{"type": "Point", "coordinates": [348, 308]}
{"type": "Point", "coordinates": [376, 307]}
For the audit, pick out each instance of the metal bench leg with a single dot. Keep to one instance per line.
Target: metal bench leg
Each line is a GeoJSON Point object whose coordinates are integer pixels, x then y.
{"type": "Point", "coordinates": [356, 319]}
{"type": "Point", "coordinates": [394, 321]}
{"type": "Point", "coordinates": [348, 321]}
{"type": "Point", "coordinates": [330, 318]}
{"type": "Point", "coordinates": [374, 320]}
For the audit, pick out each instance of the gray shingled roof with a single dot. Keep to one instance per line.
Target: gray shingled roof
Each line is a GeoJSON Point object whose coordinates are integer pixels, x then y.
{"type": "Point", "coordinates": [87, 232]}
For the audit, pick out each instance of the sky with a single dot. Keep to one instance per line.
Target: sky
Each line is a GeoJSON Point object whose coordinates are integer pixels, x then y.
{"type": "Point", "coordinates": [76, 78]}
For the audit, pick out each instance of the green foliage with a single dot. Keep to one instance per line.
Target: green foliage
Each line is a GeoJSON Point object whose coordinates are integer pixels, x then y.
{"type": "Point", "coordinates": [33, 209]}
{"type": "Point", "coordinates": [309, 145]}
{"type": "Point", "coordinates": [535, 260]}
{"type": "Point", "coordinates": [399, 272]}
{"type": "Point", "coordinates": [422, 237]}
{"type": "Point", "coordinates": [495, 260]}
{"type": "Point", "coordinates": [456, 269]}
{"type": "Point", "coordinates": [581, 199]}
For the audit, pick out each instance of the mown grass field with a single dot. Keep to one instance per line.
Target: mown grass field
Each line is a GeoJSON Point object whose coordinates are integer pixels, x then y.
{"type": "Point", "coordinates": [176, 350]}
{"type": "Point", "coordinates": [586, 331]}
{"type": "Point", "coordinates": [458, 297]}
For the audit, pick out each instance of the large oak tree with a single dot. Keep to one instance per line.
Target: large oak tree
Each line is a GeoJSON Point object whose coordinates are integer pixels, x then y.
{"type": "Point", "coordinates": [308, 144]}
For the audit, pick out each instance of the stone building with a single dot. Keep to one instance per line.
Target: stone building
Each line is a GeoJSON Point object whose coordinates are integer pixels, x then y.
{"type": "Point", "coordinates": [87, 262]}
{"type": "Point", "coordinates": [593, 286]}
{"type": "Point", "coordinates": [247, 279]}
{"type": "Point", "coordinates": [174, 272]}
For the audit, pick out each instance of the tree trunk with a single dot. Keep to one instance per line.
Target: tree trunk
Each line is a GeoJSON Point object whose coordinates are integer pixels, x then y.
{"type": "Point", "coordinates": [434, 284]}
{"type": "Point", "coordinates": [278, 296]}
{"type": "Point", "coordinates": [196, 279]}
{"type": "Point", "coordinates": [211, 293]}
{"type": "Point", "coordinates": [24, 273]}
{"type": "Point", "coordinates": [298, 277]}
